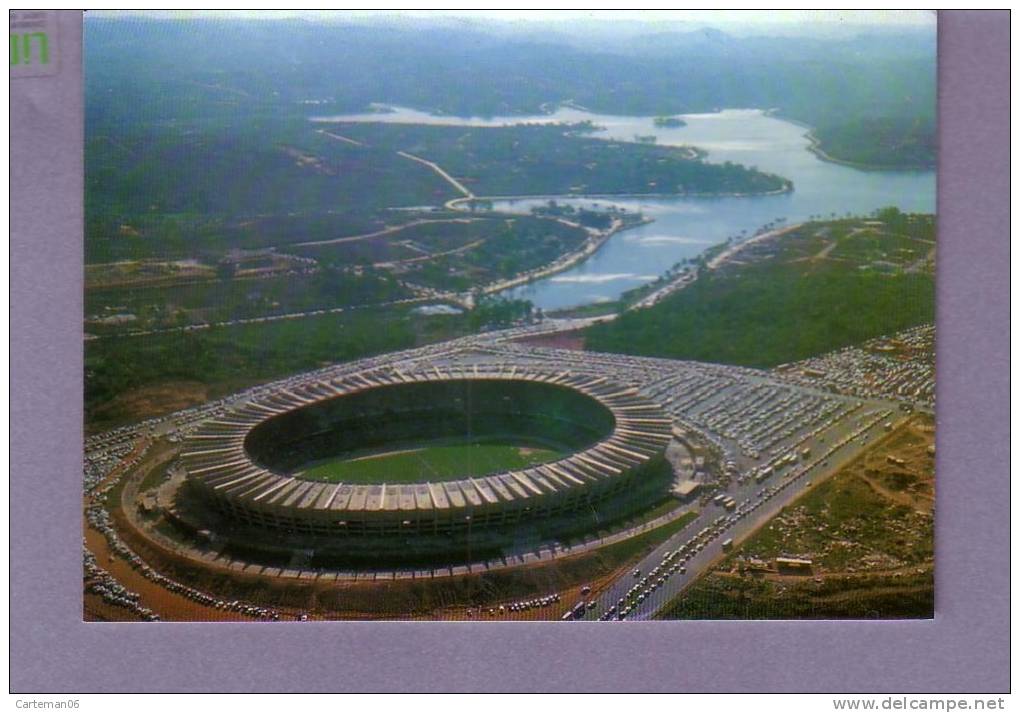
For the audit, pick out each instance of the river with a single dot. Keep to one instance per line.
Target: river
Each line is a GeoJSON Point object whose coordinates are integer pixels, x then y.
{"type": "Point", "coordinates": [685, 227]}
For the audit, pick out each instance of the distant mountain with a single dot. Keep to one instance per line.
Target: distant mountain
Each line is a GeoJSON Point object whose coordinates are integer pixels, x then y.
{"type": "Point", "coordinates": [144, 69]}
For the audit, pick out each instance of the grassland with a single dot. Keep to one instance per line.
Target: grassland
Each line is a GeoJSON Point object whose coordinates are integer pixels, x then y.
{"type": "Point", "coordinates": [868, 532]}
{"type": "Point", "coordinates": [213, 299]}
{"type": "Point", "coordinates": [447, 461]}
{"type": "Point", "coordinates": [821, 287]}
{"type": "Point", "coordinates": [129, 378]}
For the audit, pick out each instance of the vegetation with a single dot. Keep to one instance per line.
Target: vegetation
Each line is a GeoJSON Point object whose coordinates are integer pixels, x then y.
{"type": "Point", "coordinates": [769, 317]}
{"type": "Point", "coordinates": [420, 238]}
{"type": "Point", "coordinates": [597, 309]}
{"type": "Point", "coordinates": [498, 312]}
{"type": "Point", "coordinates": [230, 358]}
{"type": "Point", "coordinates": [669, 122]}
{"type": "Point", "coordinates": [178, 190]}
{"type": "Point", "coordinates": [205, 180]}
{"type": "Point", "coordinates": [120, 370]}
{"type": "Point", "coordinates": [588, 218]}
{"type": "Point", "coordinates": [789, 304]}
{"type": "Point", "coordinates": [909, 597]}
{"type": "Point", "coordinates": [323, 68]}
{"type": "Point", "coordinates": [868, 532]}
{"type": "Point", "coordinates": [458, 253]}
{"type": "Point", "coordinates": [223, 300]}
{"type": "Point", "coordinates": [883, 142]}
{"type": "Point", "coordinates": [549, 160]}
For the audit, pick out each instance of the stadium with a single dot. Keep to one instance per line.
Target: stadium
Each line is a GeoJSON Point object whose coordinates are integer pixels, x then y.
{"type": "Point", "coordinates": [428, 454]}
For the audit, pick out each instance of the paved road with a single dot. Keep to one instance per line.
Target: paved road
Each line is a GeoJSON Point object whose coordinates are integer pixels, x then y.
{"type": "Point", "coordinates": [757, 504]}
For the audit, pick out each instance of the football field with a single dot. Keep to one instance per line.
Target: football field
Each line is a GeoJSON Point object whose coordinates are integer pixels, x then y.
{"type": "Point", "coordinates": [431, 463]}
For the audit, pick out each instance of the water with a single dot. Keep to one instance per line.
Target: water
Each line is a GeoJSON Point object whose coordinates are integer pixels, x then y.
{"type": "Point", "coordinates": [685, 227]}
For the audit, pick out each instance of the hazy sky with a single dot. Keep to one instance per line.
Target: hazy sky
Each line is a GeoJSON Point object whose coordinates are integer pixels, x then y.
{"type": "Point", "coordinates": [719, 17]}
{"type": "Point", "coordinates": [701, 17]}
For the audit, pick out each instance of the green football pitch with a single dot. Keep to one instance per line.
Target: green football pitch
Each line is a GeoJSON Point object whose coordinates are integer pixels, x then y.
{"type": "Point", "coordinates": [431, 463]}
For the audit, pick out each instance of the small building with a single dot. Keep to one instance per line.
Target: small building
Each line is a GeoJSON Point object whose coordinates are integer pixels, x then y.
{"type": "Point", "coordinates": [148, 504]}
{"type": "Point", "coordinates": [754, 564]}
{"type": "Point", "coordinates": [686, 489]}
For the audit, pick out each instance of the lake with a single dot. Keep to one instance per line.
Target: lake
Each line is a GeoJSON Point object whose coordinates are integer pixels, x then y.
{"type": "Point", "coordinates": [684, 227]}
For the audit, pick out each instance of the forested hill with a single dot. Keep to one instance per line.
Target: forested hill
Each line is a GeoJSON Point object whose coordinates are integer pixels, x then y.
{"type": "Point", "coordinates": [822, 286]}
{"type": "Point", "coordinates": [239, 67]}
{"type": "Point", "coordinates": [884, 142]}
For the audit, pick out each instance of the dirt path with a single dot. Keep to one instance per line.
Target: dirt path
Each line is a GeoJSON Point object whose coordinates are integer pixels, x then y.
{"type": "Point", "coordinates": [384, 231]}
{"type": "Point", "coordinates": [338, 137]}
{"type": "Point", "coordinates": [431, 256]}
{"type": "Point", "coordinates": [425, 162]}
{"type": "Point", "coordinates": [442, 174]}
{"type": "Point", "coordinates": [824, 252]}
{"type": "Point", "coordinates": [898, 498]}
{"type": "Point", "coordinates": [919, 265]}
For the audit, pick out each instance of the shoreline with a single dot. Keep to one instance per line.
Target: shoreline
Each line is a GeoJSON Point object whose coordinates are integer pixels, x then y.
{"type": "Point", "coordinates": [727, 254]}
{"type": "Point", "coordinates": [594, 243]}
{"type": "Point", "coordinates": [815, 147]}
{"type": "Point", "coordinates": [454, 203]}
{"type": "Point", "coordinates": [685, 279]}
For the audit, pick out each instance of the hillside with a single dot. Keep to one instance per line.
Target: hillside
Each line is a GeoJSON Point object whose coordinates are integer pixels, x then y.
{"type": "Point", "coordinates": [820, 287]}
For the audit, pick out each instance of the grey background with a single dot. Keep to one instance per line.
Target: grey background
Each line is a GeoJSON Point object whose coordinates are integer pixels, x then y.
{"type": "Point", "coordinates": [965, 648]}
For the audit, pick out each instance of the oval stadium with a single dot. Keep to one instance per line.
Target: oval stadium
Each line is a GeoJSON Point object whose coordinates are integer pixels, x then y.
{"type": "Point", "coordinates": [427, 452]}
